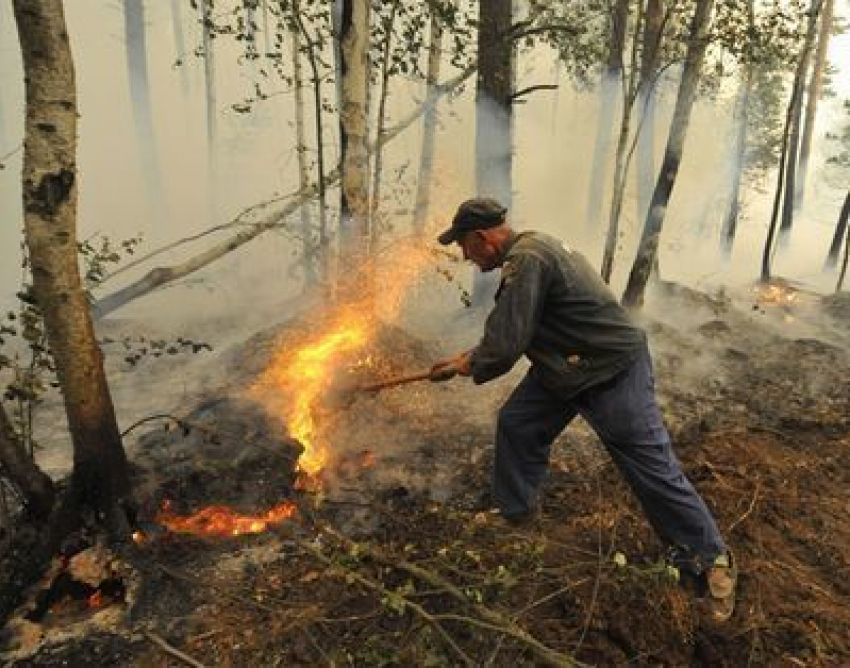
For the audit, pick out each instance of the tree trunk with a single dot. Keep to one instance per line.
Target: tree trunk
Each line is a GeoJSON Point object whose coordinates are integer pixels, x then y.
{"type": "Point", "coordinates": [323, 252]}
{"type": "Point", "coordinates": [815, 90]}
{"type": "Point", "coordinates": [840, 232]}
{"type": "Point", "coordinates": [653, 34]}
{"type": "Point", "coordinates": [429, 124]}
{"type": "Point", "coordinates": [739, 152]}
{"type": "Point", "coordinates": [844, 262]}
{"type": "Point", "coordinates": [609, 85]}
{"type": "Point", "coordinates": [307, 242]}
{"type": "Point", "coordinates": [180, 44]}
{"type": "Point", "coordinates": [796, 116]}
{"type": "Point", "coordinates": [100, 477]}
{"type": "Point", "coordinates": [374, 224]}
{"type": "Point", "coordinates": [493, 117]}
{"type": "Point", "coordinates": [621, 162]}
{"type": "Point", "coordinates": [648, 249]}
{"type": "Point", "coordinates": [210, 104]}
{"type": "Point", "coordinates": [354, 152]}
{"type": "Point", "coordinates": [137, 75]}
{"type": "Point", "coordinates": [249, 19]}
{"type": "Point", "coordinates": [31, 483]}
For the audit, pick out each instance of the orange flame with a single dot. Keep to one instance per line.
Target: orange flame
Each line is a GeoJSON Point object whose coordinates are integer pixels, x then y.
{"type": "Point", "coordinates": [304, 375]}
{"type": "Point", "coordinates": [223, 521]}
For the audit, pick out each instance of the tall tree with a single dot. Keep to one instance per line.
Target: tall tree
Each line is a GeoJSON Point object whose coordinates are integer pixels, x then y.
{"type": "Point", "coordinates": [429, 121]}
{"type": "Point", "coordinates": [621, 160]}
{"type": "Point", "coordinates": [740, 122]}
{"type": "Point", "coordinates": [648, 248]}
{"type": "Point", "coordinates": [840, 232]}
{"type": "Point", "coordinates": [312, 47]}
{"type": "Point", "coordinates": [388, 22]}
{"type": "Point", "coordinates": [307, 242]}
{"type": "Point", "coordinates": [783, 194]}
{"type": "Point", "coordinates": [140, 100]}
{"type": "Point", "coordinates": [650, 58]}
{"type": "Point", "coordinates": [493, 115]}
{"type": "Point", "coordinates": [179, 43]}
{"type": "Point", "coordinates": [611, 82]}
{"type": "Point", "coordinates": [354, 151]}
{"type": "Point", "coordinates": [815, 91]}
{"type": "Point", "coordinates": [210, 100]}
{"type": "Point", "coordinates": [100, 477]}
{"type": "Point", "coordinates": [796, 114]}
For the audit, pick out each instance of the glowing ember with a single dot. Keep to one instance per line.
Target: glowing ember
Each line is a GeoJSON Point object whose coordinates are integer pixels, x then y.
{"type": "Point", "coordinates": [223, 521]}
{"type": "Point", "coordinates": [775, 294]}
{"type": "Point", "coordinates": [96, 599]}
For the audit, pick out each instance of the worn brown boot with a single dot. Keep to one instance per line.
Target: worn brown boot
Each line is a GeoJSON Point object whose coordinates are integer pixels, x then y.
{"type": "Point", "coordinates": [721, 581]}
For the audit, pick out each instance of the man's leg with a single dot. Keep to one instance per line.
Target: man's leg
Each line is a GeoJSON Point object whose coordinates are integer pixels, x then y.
{"type": "Point", "coordinates": [530, 420]}
{"type": "Point", "coordinates": [624, 414]}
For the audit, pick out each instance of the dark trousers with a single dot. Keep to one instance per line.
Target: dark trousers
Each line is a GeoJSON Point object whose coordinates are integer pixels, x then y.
{"type": "Point", "coordinates": [624, 415]}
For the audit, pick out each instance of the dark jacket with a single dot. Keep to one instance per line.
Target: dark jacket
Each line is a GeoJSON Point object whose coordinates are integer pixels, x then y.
{"type": "Point", "coordinates": [553, 307]}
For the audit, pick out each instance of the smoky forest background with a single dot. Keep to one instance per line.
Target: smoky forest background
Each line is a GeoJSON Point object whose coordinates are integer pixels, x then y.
{"type": "Point", "coordinates": [222, 293]}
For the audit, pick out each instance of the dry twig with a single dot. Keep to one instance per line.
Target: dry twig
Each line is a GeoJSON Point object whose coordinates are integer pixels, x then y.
{"type": "Point", "coordinates": [173, 651]}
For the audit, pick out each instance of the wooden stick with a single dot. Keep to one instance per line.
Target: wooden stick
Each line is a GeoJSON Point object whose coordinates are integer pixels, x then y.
{"type": "Point", "coordinates": [394, 382]}
{"type": "Point", "coordinates": [173, 651]}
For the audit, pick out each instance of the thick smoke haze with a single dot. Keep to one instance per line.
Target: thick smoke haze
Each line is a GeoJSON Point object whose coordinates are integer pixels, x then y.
{"type": "Point", "coordinates": [554, 132]}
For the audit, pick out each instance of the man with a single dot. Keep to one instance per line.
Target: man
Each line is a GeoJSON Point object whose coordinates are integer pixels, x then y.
{"type": "Point", "coordinates": [587, 358]}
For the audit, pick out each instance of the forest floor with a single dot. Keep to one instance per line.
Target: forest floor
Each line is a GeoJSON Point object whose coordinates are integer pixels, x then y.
{"type": "Point", "coordinates": [389, 563]}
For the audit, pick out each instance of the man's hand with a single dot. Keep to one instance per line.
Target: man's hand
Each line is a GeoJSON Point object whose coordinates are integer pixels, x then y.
{"type": "Point", "coordinates": [455, 366]}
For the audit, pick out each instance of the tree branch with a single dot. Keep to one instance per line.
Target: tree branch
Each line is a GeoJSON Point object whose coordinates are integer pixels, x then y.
{"type": "Point", "coordinates": [530, 89]}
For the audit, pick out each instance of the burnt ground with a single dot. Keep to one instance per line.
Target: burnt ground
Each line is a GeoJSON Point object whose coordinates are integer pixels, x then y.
{"type": "Point", "coordinates": [390, 565]}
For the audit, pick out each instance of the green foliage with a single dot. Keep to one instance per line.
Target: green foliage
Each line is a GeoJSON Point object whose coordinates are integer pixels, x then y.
{"type": "Point", "coordinates": [99, 253]}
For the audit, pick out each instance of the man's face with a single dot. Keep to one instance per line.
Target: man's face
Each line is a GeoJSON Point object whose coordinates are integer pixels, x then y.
{"type": "Point", "coordinates": [479, 249]}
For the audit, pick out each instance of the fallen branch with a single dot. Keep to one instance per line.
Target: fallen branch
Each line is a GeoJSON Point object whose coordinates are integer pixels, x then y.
{"type": "Point", "coordinates": [489, 618]}
{"type": "Point", "coordinates": [749, 508]}
{"type": "Point", "coordinates": [431, 620]}
{"type": "Point", "coordinates": [173, 651]}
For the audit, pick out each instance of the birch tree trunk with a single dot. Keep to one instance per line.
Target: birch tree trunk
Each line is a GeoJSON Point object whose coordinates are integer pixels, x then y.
{"type": "Point", "coordinates": [137, 75]}
{"type": "Point", "coordinates": [493, 117]}
{"type": "Point", "coordinates": [307, 242]}
{"type": "Point", "coordinates": [609, 85]}
{"type": "Point", "coordinates": [374, 221]}
{"type": "Point", "coordinates": [796, 108]}
{"type": "Point", "coordinates": [324, 251]}
{"type": "Point", "coordinates": [180, 44]}
{"type": "Point", "coordinates": [837, 238]}
{"type": "Point", "coordinates": [739, 150]}
{"type": "Point", "coordinates": [33, 485]}
{"type": "Point", "coordinates": [207, 26]}
{"type": "Point", "coordinates": [354, 152]}
{"type": "Point", "coordinates": [653, 33]}
{"type": "Point", "coordinates": [815, 91]}
{"type": "Point", "coordinates": [429, 124]}
{"type": "Point", "coordinates": [100, 477]}
{"type": "Point", "coordinates": [621, 162]}
{"type": "Point", "coordinates": [648, 248]}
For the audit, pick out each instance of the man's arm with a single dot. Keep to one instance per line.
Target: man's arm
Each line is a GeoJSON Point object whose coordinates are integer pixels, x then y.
{"type": "Point", "coordinates": [513, 321]}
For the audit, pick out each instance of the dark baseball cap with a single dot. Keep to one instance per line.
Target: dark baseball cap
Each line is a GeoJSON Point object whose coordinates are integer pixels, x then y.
{"type": "Point", "coordinates": [479, 213]}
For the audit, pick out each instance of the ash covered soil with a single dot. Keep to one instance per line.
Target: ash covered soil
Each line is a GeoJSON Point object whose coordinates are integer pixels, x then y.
{"type": "Point", "coordinates": [390, 564]}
